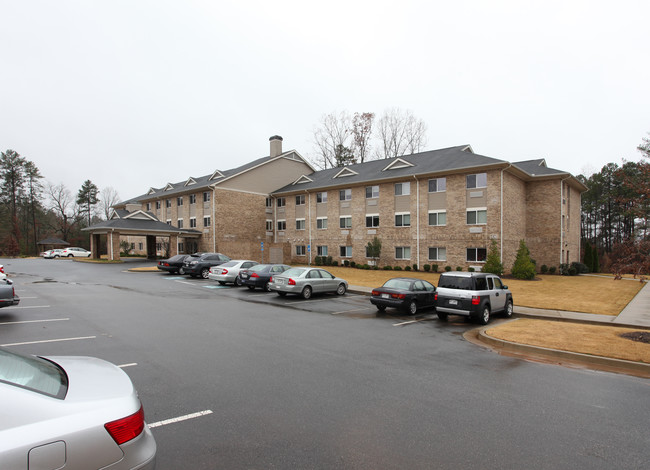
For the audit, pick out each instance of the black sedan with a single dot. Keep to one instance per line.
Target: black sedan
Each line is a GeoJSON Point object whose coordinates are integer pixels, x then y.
{"type": "Point", "coordinates": [173, 264]}
{"type": "Point", "coordinates": [199, 264]}
{"type": "Point", "coordinates": [404, 293]}
{"type": "Point", "coordinates": [260, 275]}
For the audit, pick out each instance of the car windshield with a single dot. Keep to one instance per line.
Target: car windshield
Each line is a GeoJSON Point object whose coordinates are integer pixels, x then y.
{"type": "Point", "coordinates": [229, 264]}
{"type": "Point", "coordinates": [456, 282]}
{"type": "Point", "coordinates": [33, 373]}
{"type": "Point", "coordinates": [294, 272]}
{"type": "Point", "coordinates": [260, 268]}
{"type": "Point", "coordinates": [398, 284]}
{"type": "Point", "coordinates": [177, 258]}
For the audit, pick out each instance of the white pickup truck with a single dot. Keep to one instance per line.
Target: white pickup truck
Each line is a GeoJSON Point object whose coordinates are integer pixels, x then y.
{"type": "Point", "coordinates": [474, 295]}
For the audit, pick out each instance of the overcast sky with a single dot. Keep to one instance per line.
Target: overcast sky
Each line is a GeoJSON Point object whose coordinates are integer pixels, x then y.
{"type": "Point", "coordinates": [133, 94]}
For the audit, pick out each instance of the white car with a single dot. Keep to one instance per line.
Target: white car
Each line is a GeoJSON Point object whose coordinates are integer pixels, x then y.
{"type": "Point", "coordinates": [75, 251]}
{"type": "Point", "coordinates": [70, 412]}
{"type": "Point", "coordinates": [56, 253]}
{"type": "Point", "coordinates": [2, 272]}
{"type": "Point", "coordinates": [229, 271]}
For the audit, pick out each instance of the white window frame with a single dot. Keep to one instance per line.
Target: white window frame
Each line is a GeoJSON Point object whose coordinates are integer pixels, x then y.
{"type": "Point", "coordinates": [477, 184]}
{"type": "Point", "coordinates": [206, 218]}
{"type": "Point", "coordinates": [437, 212]}
{"type": "Point", "coordinates": [438, 181]}
{"type": "Point", "coordinates": [321, 250]}
{"type": "Point", "coordinates": [179, 201]}
{"type": "Point", "coordinates": [321, 197]}
{"type": "Point", "coordinates": [281, 202]}
{"type": "Point", "coordinates": [192, 222]}
{"type": "Point", "coordinates": [169, 221]}
{"type": "Point", "coordinates": [475, 254]}
{"type": "Point", "coordinates": [206, 196]}
{"type": "Point", "coordinates": [300, 200]}
{"type": "Point", "coordinates": [300, 224]}
{"type": "Point", "coordinates": [269, 225]}
{"type": "Point", "coordinates": [402, 214]}
{"type": "Point", "coordinates": [405, 252]}
{"type": "Point", "coordinates": [374, 192]}
{"type": "Point", "coordinates": [404, 189]}
{"type": "Point", "coordinates": [321, 223]}
{"type": "Point", "coordinates": [301, 250]}
{"type": "Point", "coordinates": [282, 225]}
{"type": "Point", "coordinates": [179, 223]}
{"type": "Point", "coordinates": [438, 258]}
{"type": "Point", "coordinates": [348, 251]}
{"type": "Point", "coordinates": [345, 195]}
{"type": "Point", "coordinates": [372, 217]}
{"type": "Point", "coordinates": [476, 210]}
{"type": "Point", "coordinates": [345, 226]}
{"type": "Point", "coordinates": [192, 199]}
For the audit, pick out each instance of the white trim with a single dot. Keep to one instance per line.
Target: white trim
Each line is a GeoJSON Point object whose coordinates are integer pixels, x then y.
{"type": "Point", "coordinates": [169, 187]}
{"type": "Point", "coordinates": [140, 213]}
{"type": "Point", "coordinates": [216, 175]}
{"type": "Point", "coordinates": [303, 179]}
{"type": "Point", "coordinates": [190, 181]}
{"type": "Point", "coordinates": [347, 171]}
{"type": "Point", "coordinates": [151, 191]}
{"type": "Point", "coordinates": [397, 164]}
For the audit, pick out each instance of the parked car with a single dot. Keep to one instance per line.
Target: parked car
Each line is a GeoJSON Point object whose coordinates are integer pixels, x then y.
{"type": "Point", "coordinates": [76, 252]}
{"type": "Point", "coordinates": [199, 264]}
{"type": "Point", "coordinates": [70, 412]}
{"type": "Point", "coordinates": [260, 275]}
{"type": "Point", "coordinates": [229, 271]}
{"type": "Point", "coordinates": [173, 264]}
{"type": "Point", "coordinates": [473, 295]}
{"type": "Point", "coordinates": [307, 281]}
{"type": "Point", "coordinates": [8, 295]}
{"type": "Point", "coordinates": [3, 275]}
{"type": "Point", "coordinates": [55, 253]}
{"type": "Point", "coordinates": [404, 293]}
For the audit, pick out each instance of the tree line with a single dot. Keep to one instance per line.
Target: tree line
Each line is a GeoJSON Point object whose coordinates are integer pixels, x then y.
{"type": "Point", "coordinates": [615, 213]}
{"type": "Point", "coordinates": [31, 209]}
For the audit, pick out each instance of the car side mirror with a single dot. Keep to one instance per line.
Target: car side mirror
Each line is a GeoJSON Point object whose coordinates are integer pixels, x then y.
{"type": "Point", "coordinates": [504, 287]}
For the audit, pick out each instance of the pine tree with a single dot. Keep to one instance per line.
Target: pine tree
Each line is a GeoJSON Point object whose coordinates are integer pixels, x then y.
{"type": "Point", "coordinates": [588, 257]}
{"type": "Point", "coordinates": [524, 268]}
{"type": "Point", "coordinates": [493, 261]}
{"type": "Point", "coordinates": [595, 264]}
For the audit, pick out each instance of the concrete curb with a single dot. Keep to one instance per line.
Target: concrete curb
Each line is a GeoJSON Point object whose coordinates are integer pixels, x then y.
{"type": "Point", "coordinates": [638, 369]}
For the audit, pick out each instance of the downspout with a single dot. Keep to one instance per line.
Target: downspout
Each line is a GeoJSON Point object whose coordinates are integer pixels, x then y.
{"type": "Point", "coordinates": [417, 219]}
{"type": "Point", "coordinates": [214, 219]}
{"type": "Point", "coordinates": [309, 214]}
{"type": "Point", "coordinates": [501, 217]}
{"type": "Point", "coordinates": [561, 214]}
{"type": "Point", "coordinates": [112, 230]}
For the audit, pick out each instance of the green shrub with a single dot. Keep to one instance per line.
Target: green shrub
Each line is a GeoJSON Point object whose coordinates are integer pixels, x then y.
{"type": "Point", "coordinates": [427, 268]}
{"type": "Point", "coordinates": [397, 268]}
{"type": "Point", "coordinates": [580, 268]}
{"type": "Point", "coordinates": [552, 270]}
{"type": "Point", "coordinates": [544, 269]}
{"type": "Point", "coordinates": [458, 268]}
{"type": "Point", "coordinates": [523, 268]}
{"type": "Point", "coordinates": [415, 267]}
{"type": "Point", "coordinates": [447, 268]}
{"type": "Point", "coordinates": [434, 268]}
{"type": "Point", "coordinates": [470, 269]}
{"type": "Point", "coordinates": [334, 263]}
{"type": "Point", "coordinates": [346, 263]}
{"type": "Point", "coordinates": [388, 268]}
{"type": "Point", "coordinates": [352, 264]}
{"type": "Point", "coordinates": [318, 260]}
{"type": "Point", "coordinates": [407, 268]}
{"type": "Point", "coordinates": [493, 261]}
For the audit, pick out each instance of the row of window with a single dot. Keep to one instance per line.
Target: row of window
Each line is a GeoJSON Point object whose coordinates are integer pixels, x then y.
{"type": "Point", "coordinates": [207, 222]}
{"type": "Point", "coordinates": [436, 185]}
{"type": "Point", "coordinates": [436, 218]}
{"type": "Point", "coordinates": [436, 253]}
{"type": "Point", "coordinates": [179, 201]}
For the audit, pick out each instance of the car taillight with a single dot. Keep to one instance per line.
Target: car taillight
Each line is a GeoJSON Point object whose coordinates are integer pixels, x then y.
{"type": "Point", "coordinates": [374, 292]}
{"type": "Point", "coordinates": [398, 296]}
{"type": "Point", "coordinates": [255, 275]}
{"type": "Point", "coordinates": [2, 269]}
{"type": "Point", "coordinates": [166, 264]}
{"type": "Point", "coordinates": [125, 429]}
{"type": "Point", "coordinates": [476, 300]}
{"type": "Point", "coordinates": [271, 279]}
{"type": "Point", "coordinates": [435, 297]}
{"type": "Point", "coordinates": [224, 271]}
{"type": "Point", "coordinates": [291, 282]}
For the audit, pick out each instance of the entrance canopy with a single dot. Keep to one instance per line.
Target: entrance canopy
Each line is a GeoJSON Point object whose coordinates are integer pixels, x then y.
{"type": "Point", "coordinates": [136, 223]}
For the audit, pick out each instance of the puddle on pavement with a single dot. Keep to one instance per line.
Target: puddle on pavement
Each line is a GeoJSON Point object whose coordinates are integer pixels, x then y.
{"type": "Point", "coordinates": [47, 279]}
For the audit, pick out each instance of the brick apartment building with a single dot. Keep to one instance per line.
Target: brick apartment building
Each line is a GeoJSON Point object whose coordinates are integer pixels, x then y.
{"type": "Point", "coordinates": [438, 207]}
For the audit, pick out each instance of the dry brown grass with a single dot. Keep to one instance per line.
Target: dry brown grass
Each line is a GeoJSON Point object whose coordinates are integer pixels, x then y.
{"type": "Point", "coordinates": [587, 339]}
{"type": "Point", "coordinates": [587, 294]}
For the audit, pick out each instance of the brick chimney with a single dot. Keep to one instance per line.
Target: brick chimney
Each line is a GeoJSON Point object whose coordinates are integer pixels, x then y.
{"type": "Point", "coordinates": [276, 145]}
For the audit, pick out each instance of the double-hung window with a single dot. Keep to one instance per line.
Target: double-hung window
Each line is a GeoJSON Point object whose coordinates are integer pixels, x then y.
{"type": "Point", "coordinates": [300, 224]}
{"type": "Point", "coordinates": [179, 223]}
{"type": "Point", "coordinates": [300, 250]}
{"type": "Point", "coordinates": [345, 221]}
{"type": "Point", "coordinates": [192, 222]}
{"type": "Point", "coordinates": [321, 223]}
{"type": "Point", "coordinates": [321, 250]}
{"type": "Point", "coordinates": [345, 195]}
{"type": "Point", "coordinates": [477, 216]}
{"type": "Point", "coordinates": [157, 204]}
{"type": "Point", "coordinates": [345, 251]}
{"type": "Point", "coordinates": [372, 192]}
{"type": "Point", "coordinates": [321, 197]}
{"type": "Point", "coordinates": [437, 218]}
{"type": "Point", "coordinates": [206, 196]}
{"type": "Point", "coordinates": [300, 200]}
{"type": "Point", "coordinates": [281, 202]}
{"type": "Point", "coordinates": [269, 225]}
{"type": "Point", "coordinates": [168, 203]}
{"type": "Point", "coordinates": [179, 201]}
{"type": "Point", "coordinates": [437, 253]}
{"type": "Point", "coordinates": [206, 221]}
{"type": "Point", "coordinates": [403, 219]}
{"type": "Point", "coordinates": [438, 185]}
{"type": "Point", "coordinates": [192, 198]}
{"type": "Point", "coordinates": [282, 225]}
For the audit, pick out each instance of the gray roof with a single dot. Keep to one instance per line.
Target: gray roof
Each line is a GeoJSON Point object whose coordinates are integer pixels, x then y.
{"type": "Point", "coordinates": [537, 168]}
{"type": "Point", "coordinates": [200, 183]}
{"type": "Point", "coordinates": [53, 241]}
{"type": "Point", "coordinates": [139, 225]}
{"type": "Point", "coordinates": [424, 163]}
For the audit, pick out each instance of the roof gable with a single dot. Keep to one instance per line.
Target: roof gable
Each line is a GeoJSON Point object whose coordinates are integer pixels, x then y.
{"type": "Point", "coordinates": [345, 171]}
{"type": "Point", "coordinates": [190, 181]}
{"type": "Point", "coordinates": [169, 187]}
{"type": "Point", "coordinates": [303, 179]}
{"type": "Point", "coordinates": [397, 164]}
{"type": "Point", "coordinates": [139, 214]}
{"type": "Point", "coordinates": [216, 175]}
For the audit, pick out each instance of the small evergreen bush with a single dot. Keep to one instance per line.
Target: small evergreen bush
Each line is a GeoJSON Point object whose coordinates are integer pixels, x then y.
{"type": "Point", "coordinates": [552, 270]}
{"type": "Point", "coordinates": [407, 268]}
{"type": "Point", "coordinates": [447, 268]}
{"type": "Point", "coordinates": [544, 269]}
{"type": "Point", "coordinates": [427, 268]}
{"type": "Point", "coordinates": [524, 268]}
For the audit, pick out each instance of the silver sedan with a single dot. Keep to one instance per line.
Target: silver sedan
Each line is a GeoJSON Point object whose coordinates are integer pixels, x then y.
{"type": "Point", "coordinates": [229, 271]}
{"type": "Point", "coordinates": [307, 281]}
{"type": "Point", "coordinates": [70, 412]}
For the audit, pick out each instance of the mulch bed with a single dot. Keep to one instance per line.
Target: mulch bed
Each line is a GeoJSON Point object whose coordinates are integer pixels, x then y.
{"type": "Point", "coordinates": [640, 336]}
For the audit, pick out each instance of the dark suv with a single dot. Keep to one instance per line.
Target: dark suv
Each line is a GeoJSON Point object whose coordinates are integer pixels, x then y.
{"type": "Point", "coordinates": [474, 295]}
{"type": "Point", "coordinates": [199, 264]}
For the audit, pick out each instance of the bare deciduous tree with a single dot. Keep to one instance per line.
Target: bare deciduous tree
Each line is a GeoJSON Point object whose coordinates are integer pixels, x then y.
{"type": "Point", "coordinates": [62, 203]}
{"type": "Point", "coordinates": [331, 136]}
{"type": "Point", "coordinates": [361, 133]}
{"type": "Point", "coordinates": [108, 200]}
{"type": "Point", "coordinates": [400, 133]}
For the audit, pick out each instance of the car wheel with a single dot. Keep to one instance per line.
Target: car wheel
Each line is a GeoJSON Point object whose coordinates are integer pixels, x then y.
{"type": "Point", "coordinates": [306, 292]}
{"type": "Point", "coordinates": [205, 273]}
{"type": "Point", "coordinates": [282, 294]}
{"type": "Point", "coordinates": [238, 281]}
{"type": "Point", "coordinates": [69, 256]}
{"type": "Point", "coordinates": [267, 287]}
{"type": "Point", "coordinates": [251, 287]}
{"type": "Point", "coordinates": [508, 311]}
{"type": "Point", "coordinates": [381, 308]}
{"type": "Point", "coordinates": [222, 283]}
{"type": "Point", "coordinates": [181, 271]}
{"type": "Point", "coordinates": [442, 316]}
{"type": "Point", "coordinates": [484, 317]}
{"type": "Point", "coordinates": [412, 308]}
{"type": "Point", "coordinates": [340, 290]}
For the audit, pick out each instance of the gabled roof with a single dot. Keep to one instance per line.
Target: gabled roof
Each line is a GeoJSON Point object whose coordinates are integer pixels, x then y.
{"type": "Point", "coordinates": [217, 174]}
{"type": "Point", "coordinates": [190, 181]}
{"type": "Point", "coordinates": [303, 179]}
{"type": "Point", "coordinates": [461, 158]}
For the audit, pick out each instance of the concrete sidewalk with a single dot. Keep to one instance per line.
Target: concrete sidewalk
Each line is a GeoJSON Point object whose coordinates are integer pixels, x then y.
{"type": "Point", "coordinates": [637, 312]}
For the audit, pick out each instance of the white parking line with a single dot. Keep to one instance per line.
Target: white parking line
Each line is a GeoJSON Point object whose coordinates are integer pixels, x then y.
{"type": "Point", "coordinates": [49, 341]}
{"type": "Point", "coordinates": [121, 366]}
{"type": "Point", "coordinates": [188, 283]}
{"type": "Point", "coordinates": [33, 306]}
{"type": "Point", "coordinates": [355, 310]}
{"type": "Point", "coordinates": [32, 321]}
{"type": "Point", "coordinates": [180, 418]}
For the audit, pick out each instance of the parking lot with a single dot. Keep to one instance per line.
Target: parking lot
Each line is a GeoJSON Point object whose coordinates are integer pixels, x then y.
{"type": "Point", "coordinates": [232, 378]}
